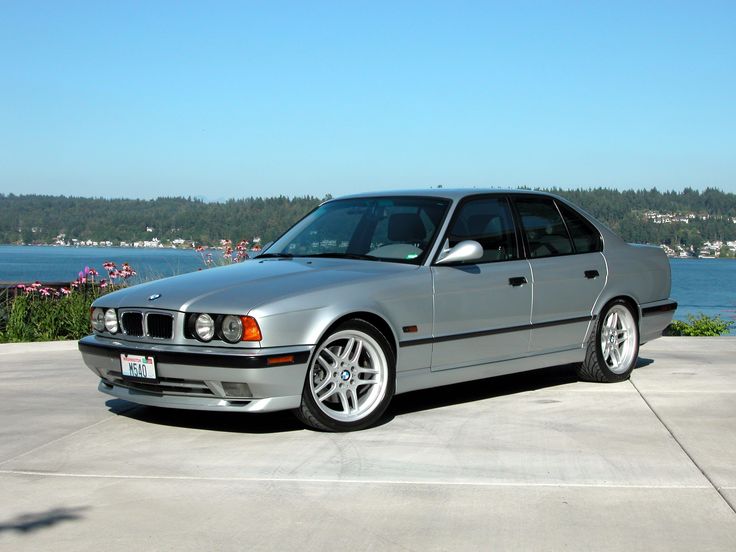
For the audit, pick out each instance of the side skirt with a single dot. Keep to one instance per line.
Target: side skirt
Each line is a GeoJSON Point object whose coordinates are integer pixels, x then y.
{"type": "Point", "coordinates": [423, 378]}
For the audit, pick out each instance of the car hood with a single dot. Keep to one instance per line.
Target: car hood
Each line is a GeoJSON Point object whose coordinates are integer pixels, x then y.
{"type": "Point", "coordinates": [238, 288]}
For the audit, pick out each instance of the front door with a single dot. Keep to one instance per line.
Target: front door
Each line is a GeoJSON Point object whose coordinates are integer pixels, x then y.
{"type": "Point", "coordinates": [482, 308]}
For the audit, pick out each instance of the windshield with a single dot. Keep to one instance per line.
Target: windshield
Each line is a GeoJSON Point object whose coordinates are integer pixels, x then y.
{"type": "Point", "coordinates": [398, 229]}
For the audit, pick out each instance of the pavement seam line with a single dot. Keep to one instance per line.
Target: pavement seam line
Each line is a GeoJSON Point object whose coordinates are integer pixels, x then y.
{"type": "Point", "coordinates": [349, 481]}
{"type": "Point", "coordinates": [682, 447]}
{"type": "Point", "coordinates": [48, 443]}
{"type": "Point", "coordinates": [75, 432]}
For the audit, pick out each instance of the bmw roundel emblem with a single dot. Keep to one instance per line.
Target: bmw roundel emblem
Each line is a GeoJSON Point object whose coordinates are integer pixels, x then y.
{"type": "Point", "coordinates": [154, 296]}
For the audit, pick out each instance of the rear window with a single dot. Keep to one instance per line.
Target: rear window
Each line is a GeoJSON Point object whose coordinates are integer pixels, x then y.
{"type": "Point", "coordinates": [543, 226]}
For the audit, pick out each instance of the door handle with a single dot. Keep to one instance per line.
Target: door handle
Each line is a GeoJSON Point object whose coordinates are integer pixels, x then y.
{"type": "Point", "coordinates": [590, 274]}
{"type": "Point", "coordinates": [517, 281]}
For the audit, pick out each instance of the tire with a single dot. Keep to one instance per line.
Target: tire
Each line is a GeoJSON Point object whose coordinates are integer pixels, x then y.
{"type": "Point", "coordinates": [351, 379]}
{"type": "Point", "coordinates": [613, 347]}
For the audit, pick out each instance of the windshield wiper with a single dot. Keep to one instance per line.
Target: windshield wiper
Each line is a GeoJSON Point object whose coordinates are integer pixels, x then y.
{"type": "Point", "coordinates": [336, 255]}
{"type": "Point", "coordinates": [275, 256]}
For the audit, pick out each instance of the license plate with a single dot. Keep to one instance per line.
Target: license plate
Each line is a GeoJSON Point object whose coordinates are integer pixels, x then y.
{"type": "Point", "coordinates": [140, 368]}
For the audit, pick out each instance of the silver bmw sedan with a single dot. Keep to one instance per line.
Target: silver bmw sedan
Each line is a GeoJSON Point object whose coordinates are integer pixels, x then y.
{"type": "Point", "coordinates": [377, 294]}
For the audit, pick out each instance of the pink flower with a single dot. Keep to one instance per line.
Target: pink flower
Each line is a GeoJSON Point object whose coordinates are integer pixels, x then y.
{"type": "Point", "coordinates": [108, 265]}
{"type": "Point", "coordinates": [65, 291]}
{"type": "Point", "coordinates": [126, 271]}
{"type": "Point", "coordinates": [75, 284]}
{"type": "Point", "coordinates": [21, 286]}
{"type": "Point", "coordinates": [45, 292]}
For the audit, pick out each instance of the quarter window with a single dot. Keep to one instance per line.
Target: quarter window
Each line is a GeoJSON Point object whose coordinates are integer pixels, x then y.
{"type": "Point", "coordinates": [545, 232]}
{"type": "Point", "coordinates": [585, 237]}
{"type": "Point", "coordinates": [489, 222]}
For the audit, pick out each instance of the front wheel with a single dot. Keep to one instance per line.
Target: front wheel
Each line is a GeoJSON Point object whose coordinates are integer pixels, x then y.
{"type": "Point", "coordinates": [351, 379]}
{"type": "Point", "coordinates": [613, 347]}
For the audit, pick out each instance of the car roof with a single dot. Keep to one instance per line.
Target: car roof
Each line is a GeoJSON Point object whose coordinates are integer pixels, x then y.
{"type": "Point", "coordinates": [446, 193]}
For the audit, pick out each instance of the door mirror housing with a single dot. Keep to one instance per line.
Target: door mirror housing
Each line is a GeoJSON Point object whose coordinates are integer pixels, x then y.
{"type": "Point", "coordinates": [466, 250]}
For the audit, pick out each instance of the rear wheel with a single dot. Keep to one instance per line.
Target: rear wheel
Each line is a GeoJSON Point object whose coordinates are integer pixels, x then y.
{"type": "Point", "coordinates": [351, 379]}
{"type": "Point", "coordinates": [613, 347]}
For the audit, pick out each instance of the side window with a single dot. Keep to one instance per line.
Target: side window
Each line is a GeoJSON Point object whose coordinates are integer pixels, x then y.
{"type": "Point", "coordinates": [585, 236]}
{"type": "Point", "coordinates": [545, 232]}
{"type": "Point", "coordinates": [489, 222]}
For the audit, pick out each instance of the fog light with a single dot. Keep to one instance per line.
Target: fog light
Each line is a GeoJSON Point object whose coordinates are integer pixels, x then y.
{"type": "Point", "coordinates": [235, 389]}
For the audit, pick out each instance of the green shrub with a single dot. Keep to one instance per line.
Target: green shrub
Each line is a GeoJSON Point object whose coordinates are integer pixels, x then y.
{"type": "Point", "coordinates": [35, 312]}
{"type": "Point", "coordinates": [35, 317]}
{"type": "Point", "coordinates": [701, 325]}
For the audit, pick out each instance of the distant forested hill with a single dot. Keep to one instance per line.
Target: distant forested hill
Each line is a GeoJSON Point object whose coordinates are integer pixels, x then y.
{"type": "Point", "coordinates": [39, 219]}
{"type": "Point", "coordinates": [36, 218]}
{"type": "Point", "coordinates": [624, 212]}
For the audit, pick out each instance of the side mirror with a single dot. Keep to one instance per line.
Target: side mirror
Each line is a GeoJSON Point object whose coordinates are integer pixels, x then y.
{"type": "Point", "coordinates": [467, 250]}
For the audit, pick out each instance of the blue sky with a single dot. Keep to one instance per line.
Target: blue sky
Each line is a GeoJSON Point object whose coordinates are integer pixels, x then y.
{"type": "Point", "coordinates": [230, 99]}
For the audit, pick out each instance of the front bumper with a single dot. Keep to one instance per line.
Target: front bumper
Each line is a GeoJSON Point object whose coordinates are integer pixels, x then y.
{"type": "Point", "coordinates": [202, 378]}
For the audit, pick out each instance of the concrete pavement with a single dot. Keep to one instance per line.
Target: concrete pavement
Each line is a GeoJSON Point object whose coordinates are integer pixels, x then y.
{"type": "Point", "coordinates": [536, 461]}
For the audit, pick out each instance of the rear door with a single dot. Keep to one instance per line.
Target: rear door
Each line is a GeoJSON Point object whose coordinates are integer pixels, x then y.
{"type": "Point", "coordinates": [568, 271]}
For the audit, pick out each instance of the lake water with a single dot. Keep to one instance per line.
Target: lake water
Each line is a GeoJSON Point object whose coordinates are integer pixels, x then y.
{"type": "Point", "coordinates": [698, 285]}
{"type": "Point", "coordinates": [704, 285]}
{"type": "Point", "coordinates": [62, 264]}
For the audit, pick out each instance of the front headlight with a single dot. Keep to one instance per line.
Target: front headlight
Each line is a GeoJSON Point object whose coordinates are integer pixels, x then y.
{"type": "Point", "coordinates": [111, 321]}
{"type": "Point", "coordinates": [204, 327]}
{"type": "Point", "coordinates": [98, 320]}
{"type": "Point", "coordinates": [231, 329]}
